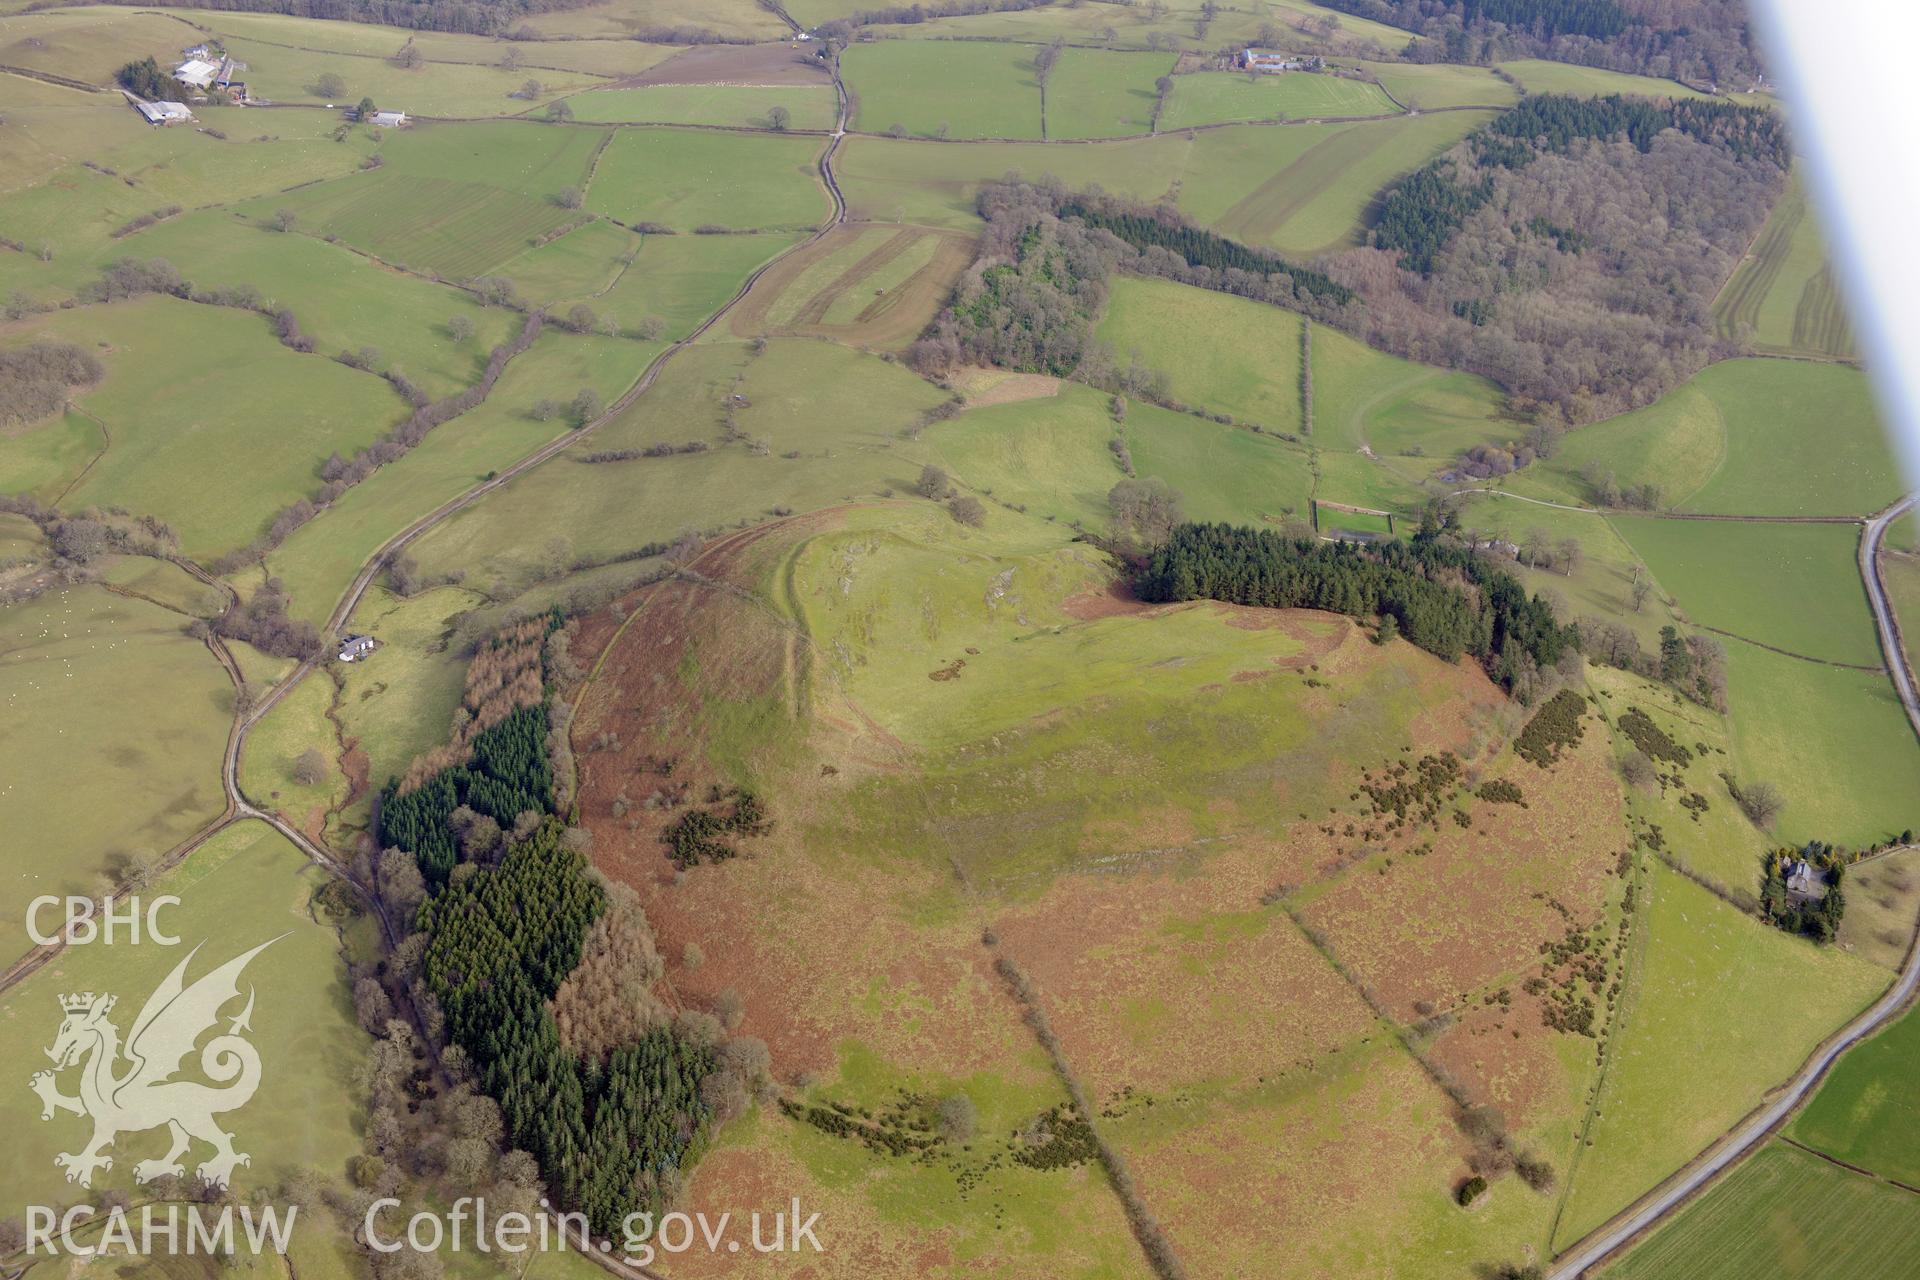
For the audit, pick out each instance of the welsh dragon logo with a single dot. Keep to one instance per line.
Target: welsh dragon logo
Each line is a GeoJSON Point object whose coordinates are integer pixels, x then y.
{"type": "Point", "coordinates": [143, 1094]}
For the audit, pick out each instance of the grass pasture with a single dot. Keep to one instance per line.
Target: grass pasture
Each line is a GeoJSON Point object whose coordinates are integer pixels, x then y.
{"type": "Point", "coordinates": [690, 178]}
{"type": "Point", "coordinates": [865, 285]}
{"type": "Point", "coordinates": [1540, 76]}
{"type": "Point", "coordinates": [111, 742]}
{"type": "Point", "coordinates": [1782, 296]}
{"type": "Point", "coordinates": [437, 226]}
{"type": "Point", "coordinates": [1835, 742]}
{"type": "Point", "coordinates": [1786, 1214]}
{"type": "Point", "coordinates": [684, 279]}
{"type": "Point", "coordinates": [585, 262]}
{"type": "Point", "coordinates": [1227, 97]}
{"type": "Point", "coordinates": [1221, 353]}
{"type": "Point", "coordinates": [1792, 586]}
{"type": "Point", "coordinates": [971, 90]}
{"type": "Point", "coordinates": [50, 127]}
{"type": "Point", "coordinates": [200, 403]}
{"type": "Point", "coordinates": [1743, 437]}
{"type": "Point", "coordinates": [1702, 1034]}
{"type": "Point", "coordinates": [1600, 585]}
{"type": "Point", "coordinates": [446, 90]}
{"type": "Point", "coordinates": [1093, 93]}
{"type": "Point", "coordinates": [1302, 188]}
{"type": "Point", "coordinates": [320, 558]}
{"type": "Point", "coordinates": [1435, 85]}
{"type": "Point", "coordinates": [245, 886]}
{"type": "Point", "coordinates": [933, 184]}
{"type": "Point", "coordinates": [1053, 456]}
{"type": "Point", "coordinates": [1802, 439]}
{"type": "Point", "coordinates": [397, 705]}
{"type": "Point", "coordinates": [1867, 1111]}
{"type": "Point", "coordinates": [1305, 188]}
{"type": "Point", "coordinates": [842, 413]}
{"type": "Point", "coordinates": [1364, 398]}
{"type": "Point", "coordinates": [44, 459]}
{"type": "Point", "coordinates": [811, 106]}
{"type": "Point", "coordinates": [87, 44]}
{"type": "Point", "coordinates": [619, 57]}
{"type": "Point", "coordinates": [343, 300]}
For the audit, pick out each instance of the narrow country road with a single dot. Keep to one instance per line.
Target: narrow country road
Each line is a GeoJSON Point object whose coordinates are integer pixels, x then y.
{"type": "Point", "coordinates": [1681, 1188]}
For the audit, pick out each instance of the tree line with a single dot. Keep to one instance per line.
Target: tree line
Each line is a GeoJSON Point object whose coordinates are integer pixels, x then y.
{"type": "Point", "coordinates": [1439, 595]}
{"type": "Point", "coordinates": [1142, 227]}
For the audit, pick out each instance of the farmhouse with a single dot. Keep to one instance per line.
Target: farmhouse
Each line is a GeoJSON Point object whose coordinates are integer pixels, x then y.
{"type": "Point", "coordinates": [196, 73]}
{"type": "Point", "coordinates": [1268, 60]}
{"type": "Point", "coordinates": [163, 113]}
{"type": "Point", "coordinates": [354, 648]}
{"type": "Point", "coordinates": [390, 119]}
{"type": "Point", "coordinates": [1804, 880]}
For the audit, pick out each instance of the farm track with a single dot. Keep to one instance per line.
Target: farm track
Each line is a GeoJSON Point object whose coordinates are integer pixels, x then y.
{"type": "Point", "coordinates": [1681, 1188]}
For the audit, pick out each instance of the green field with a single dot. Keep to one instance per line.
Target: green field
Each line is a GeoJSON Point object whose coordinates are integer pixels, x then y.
{"type": "Point", "coordinates": [433, 225]}
{"type": "Point", "coordinates": [1718, 845]}
{"type": "Point", "coordinates": [342, 300]}
{"type": "Point", "coordinates": [245, 886]}
{"type": "Point", "coordinates": [48, 125]}
{"type": "Point", "coordinates": [1743, 437]}
{"type": "Point", "coordinates": [1053, 457]}
{"type": "Point", "coordinates": [113, 709]}
{"type": "Point", "coordinates": [1782, 296]}
{"type": "Point", "coordinates": [1096, 94]}
{"type": "Point", "coordinates": [684, 279]}
{"type": "Point", "coordinates": [74, 214]}
{"type": "Point", "coordinates": [399, 706]}
{"type": "Point", "coordinates": [691, 178]}
{"type": "Point", "coordinates": [1221, 353]}
{"type": "Point", "coordinates": [320, 558]}
{"type": "Point", "coordinates": [1704, 1033]}
{"type": "Point", "coordinates": [1225, 97]}
{"type": "Point", "coordinates": [743, 106]}
{"type": "Point", "coordinates": [609, 57]}
{"type": "Point", "coordinates": [1784, 1214]}
{"type": "Point", "coordinates": [1539, 76]}
{"type": "Point", "coordinates": [1364, 398]}
{"type": "Point", "coordinates": [1867, 1111]}
{"type": "Point", "coordinates": [1600, 584]}
{"type": "Point", "coordinates": [839, 411]}
{"type": "Point", "coordinates": [1835, 742]}
{"type": "Point", "coordinates": [1304, 189]}
{"type": "Point", "coordinates": [1301, 189]}
{"type": "Point", "coordinates": [1791, 586]}
{"type": "Point", "coordinates": [443, 90]}
{"type": "Point", "coordinates": [968, 90]}
{"type": "Point", "coordinates": [201, 404]}
{"type": "Point", "coordinates": [84, 44]}
{"type": "Point", "coordinates": [293, 726]}
{"type": "Point", "coordinates": [1431, 86]}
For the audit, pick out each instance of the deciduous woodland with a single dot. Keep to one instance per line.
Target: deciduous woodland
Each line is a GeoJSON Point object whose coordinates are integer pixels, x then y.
{"type": "Point", "coordinates": [1704, 40]}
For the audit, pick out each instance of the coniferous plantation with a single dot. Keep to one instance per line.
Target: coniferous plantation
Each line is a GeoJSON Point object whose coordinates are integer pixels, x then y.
{"type": "Point", "coordinates": [1441, 596]}
{"type": "Point", "coordinates": [509, 907]}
